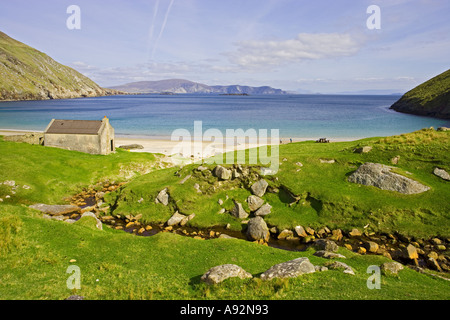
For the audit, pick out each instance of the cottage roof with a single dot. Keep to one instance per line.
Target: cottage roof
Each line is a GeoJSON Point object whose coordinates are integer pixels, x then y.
{"type": "Point", "coordinates": [74, 127]}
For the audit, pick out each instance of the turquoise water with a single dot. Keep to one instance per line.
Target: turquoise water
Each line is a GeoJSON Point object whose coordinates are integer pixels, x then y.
{"type": "Point", "coordinates": [296, 116]}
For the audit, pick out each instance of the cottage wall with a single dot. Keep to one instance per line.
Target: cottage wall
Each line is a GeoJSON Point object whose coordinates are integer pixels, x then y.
{"type": "Point", "coordinates": [83, 143]}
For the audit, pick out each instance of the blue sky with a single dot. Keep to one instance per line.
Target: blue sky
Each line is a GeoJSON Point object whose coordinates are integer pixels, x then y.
{"type": "Point", "coordinates": [315, 46]}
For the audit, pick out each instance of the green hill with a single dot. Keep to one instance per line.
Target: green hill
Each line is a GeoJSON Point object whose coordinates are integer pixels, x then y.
{"type": "Point", "coordinates": [28, 74]}
{"type": "Point", "coordinates": [431, 98]}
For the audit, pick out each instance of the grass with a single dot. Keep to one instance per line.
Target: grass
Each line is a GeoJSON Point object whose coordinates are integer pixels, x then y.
{"type": "Point", "coordinates": [326, 197]}
{"type": "Point", "coordinates": [116, 265]}
{"type": "Point", "coordinates": [35, 252]}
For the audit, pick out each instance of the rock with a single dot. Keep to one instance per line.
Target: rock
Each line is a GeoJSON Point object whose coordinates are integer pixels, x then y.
{"type": "Point", "coordinates": [371, 246]}
{"type": "Point", "coordinates": [220, 202]}
{"type": "Point", "coordinates": [56, 210]}
{"type": "Point", "coordinates": [175, 219]}
{"type": "Point", "coordinates": [436, 241]}
{"type": "Point", "coordinates": [362, 250]}
{"type": "Point", "coordinates": [441, 173]}
{"type": "Point", "coordinates": [10, 183]}
{"type": "Point", "coordinates": [264, 210]}
{"type": "Point", "coordinates": [391, 267]}
{"type": "Point", "coordinates": [327, 161]}
{"type": "Point", "coordinates": [365, 149]}
{"type": "Point", "coordinates": [289, 269]}
{"type": "Point", "coordinates": [254, 202]}
{"type": "Point", "coordinates": [328, 254]}
{"type": "Point", "coordinates": [336, 235]}
{"type": "Point", "coordinates": [411, 252]}
{"type": "Point", "coordinates": [99, 224]}
{"type": "Point", "coordinates": [320, 268]}
{"type": "Point", "coordinates": [131, 147]}
{"type": "Point", "coordinates": [197, 188]}
{"type": "Point", "coordinates": [163, 197]}
{"type": "Point", "coordinates": [355, 233]}
{"type": "Point", "coordinates": [222, 173]}
{"type": "Point", "coordinates": [202, 168]}
{"type": "Point", "coordinates": [380, 176]}
{"type": "Point", "coordinates": [395, 160]}
{"type": "Point", "coordinates": [327, 245]}
{"type": "Point", "coordinates": [225, 236]}
{"type": "Point", "coordinates": [220, 273]}
{"type": "Point", "coordinates": [433, 264]}
{"type": "Point", "coordinates": [266, 171]}
{"type": "Point", "coordinates": [238, 211]}
{"type": "Point", "coordinates": [300, 231]}
{"type": "Point", "coordinates": [285, 234]}
{"type": "Point", "coordinates": [257, 229]}
{"type": "Point", "coordinates": [259, 188]}
{"type": "Point", "coordinates": [337, 265]}
{"type": "Point", "coordinates": [186, 179]}
{"type": "Point", "coordinates": [310, 231]}
{"type": "Point", "coordinates": [443, 129]}
{"type": "Point", "coordinates": [187, 219]}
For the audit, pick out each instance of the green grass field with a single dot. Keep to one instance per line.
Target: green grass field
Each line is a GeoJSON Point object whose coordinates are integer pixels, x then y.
{"type": "Point", "coordinates": [35, 252]}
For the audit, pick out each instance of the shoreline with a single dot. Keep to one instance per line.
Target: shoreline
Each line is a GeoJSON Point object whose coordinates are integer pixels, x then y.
{"type": "Point", "coordinates": [164, 144]}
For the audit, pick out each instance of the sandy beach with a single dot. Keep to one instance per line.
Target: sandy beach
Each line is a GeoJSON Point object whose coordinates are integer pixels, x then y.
{"type": "Point", "coordinates": [185, 149]}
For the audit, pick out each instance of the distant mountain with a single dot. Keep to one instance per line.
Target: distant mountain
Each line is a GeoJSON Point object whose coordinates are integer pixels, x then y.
{"type": "Point", "coordinates": [28, 74]}
{"type": "Point", "coordinates": [186, 86]}
{"type": "Point", "coordinates": [431, 98]}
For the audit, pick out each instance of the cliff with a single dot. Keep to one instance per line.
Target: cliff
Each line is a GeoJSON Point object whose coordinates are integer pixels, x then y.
{"type": "Point", "coordinates": [28, 74]}
{"type": "Point", "coordinates": [431, 98]}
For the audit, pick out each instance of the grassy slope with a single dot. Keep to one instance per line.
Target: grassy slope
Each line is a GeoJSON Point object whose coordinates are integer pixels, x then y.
{"type": "Point", "coordinates": [26, 73]}
{"type": "Point", "coordinates": [432, 98]}
{"type": "Point", "coordinates": [35, 252]}
{"type": "Point", "coordinates": [327, 198]}
{"type": "Point", "coordinates": [54, 174]}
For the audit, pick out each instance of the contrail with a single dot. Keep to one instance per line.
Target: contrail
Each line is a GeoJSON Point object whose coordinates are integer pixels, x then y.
{"type": "Point", "coordinates": [162, 27]}
{"type": "Point", "coordinates": [152, 28]}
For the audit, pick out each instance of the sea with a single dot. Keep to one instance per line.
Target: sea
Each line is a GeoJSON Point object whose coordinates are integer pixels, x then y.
{"type": "Point", "coordinates": [338, 117]}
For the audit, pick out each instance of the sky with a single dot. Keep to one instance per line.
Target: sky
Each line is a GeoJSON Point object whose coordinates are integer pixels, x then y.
{"type": "Point", "coordinates": [296, 45]}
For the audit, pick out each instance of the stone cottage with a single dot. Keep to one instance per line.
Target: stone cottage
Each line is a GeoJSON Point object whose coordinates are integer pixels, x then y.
{"type": "Point", "coordinates": [89, 136]}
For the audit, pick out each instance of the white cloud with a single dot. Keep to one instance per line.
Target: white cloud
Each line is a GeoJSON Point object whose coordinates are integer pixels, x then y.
{"type": "Point", "coordinates": [306, 46]}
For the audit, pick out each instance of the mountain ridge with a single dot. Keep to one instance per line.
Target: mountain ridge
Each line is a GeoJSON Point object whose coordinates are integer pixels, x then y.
{"type": "Point", "coordinates": [29, 74]}
{"type": "Point", "coordinates": [187, 86]}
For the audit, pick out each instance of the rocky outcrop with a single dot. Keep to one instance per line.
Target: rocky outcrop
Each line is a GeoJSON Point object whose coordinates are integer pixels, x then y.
{"type": "Point", "coordinates": [381, 176]}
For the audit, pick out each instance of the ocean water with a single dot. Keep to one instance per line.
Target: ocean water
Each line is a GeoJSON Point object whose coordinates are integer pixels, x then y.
{"type": "Point", "coordinates": [296, 116]}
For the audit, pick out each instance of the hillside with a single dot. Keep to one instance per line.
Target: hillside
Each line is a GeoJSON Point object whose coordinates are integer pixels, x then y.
{"type": "Point", "coordinates": [431, 98]}
{"type": "Point", "coordinates": [186, 86]}
{"type": "Point", "coordinates": [28, 74]}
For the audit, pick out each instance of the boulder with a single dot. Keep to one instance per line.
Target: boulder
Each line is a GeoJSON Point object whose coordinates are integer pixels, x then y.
{"type": "Point", "coordinates": [254, 202]}
{"type": "Point", "coordinates": [238, 211]}
{"type": "Point", "coordinates": [391, 267]}
{"type": "Point", "coordinates": [163, 197]}
{"type": "Point", "coordinates": [222, 173]}
{"type": "Point", "coordinates": [380, 176]}
{"type": "Point", "coordinates": [365, 149]}
{"type": "Point", "coordinates": [56, 210]}
{"type": "Point", "coordinates": [264, 210]}
{"type": "Point", "coordinates": [257, 229]}
{"type": "Point", "coordinates": [285, 234]}
{"type": "Point", "coordinates": [220, 273]}
{"type": "Point", "coordinates": [410, 252]}
{"type": "Point", "coordinates": [326, 245]}
{"type": "Point", "coordinates": [289, 269]}
{"type": "Point", "coordinates": [300, 231]}
{"type": "Point", "coordinates": [99, 224]}
{"type": "Point", "coordinates": [176, 219]}
{"type": "Point", "coordinates": [259, 188]}
{"type": "Point", "coordinates": [441, 173]}
{"type": "Point", "coordinates": [337, 265]}
{"type": "Point", "coordinates": [371, 246]}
